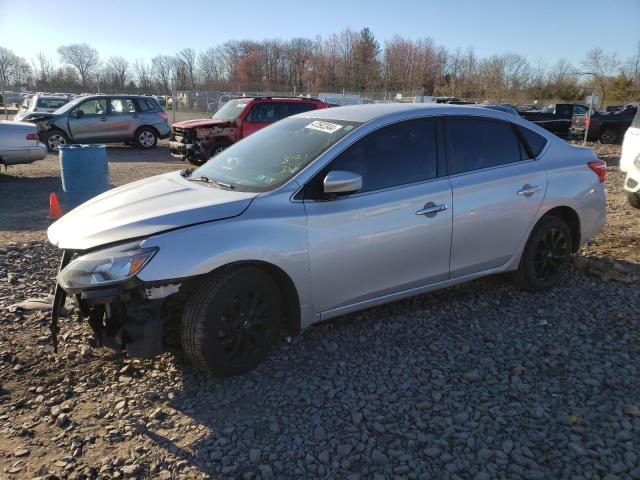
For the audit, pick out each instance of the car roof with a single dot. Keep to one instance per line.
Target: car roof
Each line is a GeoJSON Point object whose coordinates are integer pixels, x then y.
{"type": "Point", "coordinates": [368, 112]}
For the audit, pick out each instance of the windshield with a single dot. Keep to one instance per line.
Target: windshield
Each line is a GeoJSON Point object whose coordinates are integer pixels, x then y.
{"type": "Point", "coordinates": [271, 156]}
{"type": "Point", "coordinates": [231, 110]}
{"type": "Point", "coordinates": [70, 105]}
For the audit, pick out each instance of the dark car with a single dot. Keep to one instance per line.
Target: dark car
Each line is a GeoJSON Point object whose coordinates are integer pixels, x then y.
{"type": "Point", "coordinates": [556, 117]}
{"type": "Point", "coordinates": [104, 119]}
{"type": "Point", "coordinates": [503, 108]}
{"type": "Point", "coordinates": [608, 127]}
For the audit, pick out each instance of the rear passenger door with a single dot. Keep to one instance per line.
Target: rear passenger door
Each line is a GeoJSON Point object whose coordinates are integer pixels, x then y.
{"type": "Point", "coordinates": [497, 191]}
{"type": "Point", "coordinates": [122, 118]}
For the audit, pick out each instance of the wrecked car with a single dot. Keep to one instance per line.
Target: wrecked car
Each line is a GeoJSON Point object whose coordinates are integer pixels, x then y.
{"type": "Point", "coordinates": [135, 120]}
{"type": "Point", "coordinates": [322, 214]}
{"type": "Point", "coordinates": [199, 140]}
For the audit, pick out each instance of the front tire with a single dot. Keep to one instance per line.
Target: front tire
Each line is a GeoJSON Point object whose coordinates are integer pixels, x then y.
{"type": "Point", "coordinates": [546, 256]}
{"type": "Point", "coordinates": [54, 138]}
{"type": "Point", "coordinates": [231, 322]}
{"type": "Point", "coordinates": [608, 136]}
{"type": "Point", "coordinates": [145, 138]}
{"type": "Point", "coordinates": [633, 199]}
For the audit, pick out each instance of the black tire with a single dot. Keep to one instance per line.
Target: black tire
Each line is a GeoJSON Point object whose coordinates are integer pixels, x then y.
{"type": "Point", "coordinates": [231, 322]}
{"type": "Point", "coordinates": [212, 151]}
{"type": "Point", "coordinates": [146, 138]}
{"type": "Point", "coordinates": [633, 199]}
{"type": "Point", "coordinates": [546, 256]}
{"type": "Point", "coordinates": [608, 136]}
{"type": "Point", "coordinates": [53, 138]}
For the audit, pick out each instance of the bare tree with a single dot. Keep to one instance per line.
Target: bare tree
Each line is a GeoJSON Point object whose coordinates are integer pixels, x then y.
{"type": "Point", "coordinates": [142, 74]}
{"type": "Point", "coordinates": [162, 67]}
{"type": "Point", "coordinates": [117, 71]}
{"type": "Point", "coordinates": [185, 67]}
{"type": "Point", "coordinates": [43, 70]}
{"type": "Point", "coordinates": [82, 57]}
{"type": "Point", "coordinates": [8, 65]}
{"type": "Point", "coordinates": [602, 68]}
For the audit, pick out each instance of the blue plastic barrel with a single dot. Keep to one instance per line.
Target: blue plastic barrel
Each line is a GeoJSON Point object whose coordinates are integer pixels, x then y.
{"type": "Point", "coordinates": [85, 172]}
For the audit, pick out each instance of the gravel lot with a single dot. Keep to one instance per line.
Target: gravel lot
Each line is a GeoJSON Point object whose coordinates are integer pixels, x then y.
{"type": "Point", "coordinates": [478, 381]}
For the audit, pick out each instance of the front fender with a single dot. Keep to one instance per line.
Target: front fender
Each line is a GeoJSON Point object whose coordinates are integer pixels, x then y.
{"type": "Point", "coordinates": [280, 240]}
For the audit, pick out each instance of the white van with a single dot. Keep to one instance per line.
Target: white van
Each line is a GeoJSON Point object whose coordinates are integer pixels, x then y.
{"type": "Point", "coordinates": [630, 161]}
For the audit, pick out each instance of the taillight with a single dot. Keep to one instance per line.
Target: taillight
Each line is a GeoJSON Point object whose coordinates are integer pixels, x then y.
{"type": "Point", "coordinates": [600, 168]}
{"type": "Point", "coordinates": [32, 136]}
{"type": "Point", "coordinates": [587, 122]}
{"type": "Point", "coordinates": [163, 114]}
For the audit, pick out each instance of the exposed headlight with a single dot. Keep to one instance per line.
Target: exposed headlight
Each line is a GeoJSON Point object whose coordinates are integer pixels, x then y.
{"type": "Point", "coordinates": [105, 267]}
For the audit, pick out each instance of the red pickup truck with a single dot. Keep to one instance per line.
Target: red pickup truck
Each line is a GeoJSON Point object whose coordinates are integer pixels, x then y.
{"type": "Point", "coordinates": [199, 140]}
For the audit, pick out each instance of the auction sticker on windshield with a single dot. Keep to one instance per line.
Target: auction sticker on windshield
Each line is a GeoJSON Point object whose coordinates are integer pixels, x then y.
{"type": "Point", "coordinates": [324, 126]}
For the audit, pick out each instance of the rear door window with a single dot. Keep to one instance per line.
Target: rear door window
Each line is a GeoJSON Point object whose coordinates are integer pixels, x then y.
{"type": "Point", "coordinates": [475, 144]}
{"type": "Point", "coordinates": [293, 108]}
{"type": "Point", "coordinates": [121, 106]}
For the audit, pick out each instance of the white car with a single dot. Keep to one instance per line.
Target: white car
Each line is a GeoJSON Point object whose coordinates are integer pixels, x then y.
{"type": "Point", "coordinates": [630, 161]}
{"type": "Point", "coordinates": [40, 104]}
{"type": "Point", "coordinates": [19, 143]}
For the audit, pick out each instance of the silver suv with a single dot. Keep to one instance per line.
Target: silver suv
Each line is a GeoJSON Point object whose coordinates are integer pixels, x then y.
{"type": "Point", "coordinates": [104, 119]}
{"type": "Point", "coordinates": [321, 214]}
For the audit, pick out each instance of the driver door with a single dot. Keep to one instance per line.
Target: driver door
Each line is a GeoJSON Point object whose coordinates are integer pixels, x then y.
{"type": "Point", "coordinates": [91, 124]}
{"type": "Point", "coordinates": [376, 241]}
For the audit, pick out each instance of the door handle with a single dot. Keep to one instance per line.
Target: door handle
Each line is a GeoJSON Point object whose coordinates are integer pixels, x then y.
{"type": "Point", "coordinates": [528, 190]}
{"type": "Point", "coordinates": [430, 210]}
{"type": "Point", "coordinates": [135, 116]}
{"type": "Point", "coordinates": [103, 119]}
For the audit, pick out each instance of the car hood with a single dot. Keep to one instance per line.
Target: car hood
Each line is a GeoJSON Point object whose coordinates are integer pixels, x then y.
{"type": "Point", "coordinates": [202, 122]}
{"type": "Point", "coordinates": [36, 116]}
{"type": "Point", "coordinates": [142, 208]}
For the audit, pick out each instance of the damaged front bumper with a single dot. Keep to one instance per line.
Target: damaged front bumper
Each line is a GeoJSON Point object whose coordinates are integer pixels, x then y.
{"type": "Point", "coordinates": [128, 317]}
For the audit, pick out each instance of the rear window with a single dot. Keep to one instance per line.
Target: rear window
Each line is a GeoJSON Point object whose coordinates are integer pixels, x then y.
{"type": "Point", "coordinates": [51, 102]}
{"type": "Point", "coordinates": [535, 141]}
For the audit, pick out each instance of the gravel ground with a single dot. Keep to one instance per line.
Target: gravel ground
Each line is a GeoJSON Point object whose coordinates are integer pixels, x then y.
{"type": "Point", "coordinates": [478, 381]}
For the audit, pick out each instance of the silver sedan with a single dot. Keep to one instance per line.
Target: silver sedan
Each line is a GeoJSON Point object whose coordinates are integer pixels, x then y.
{"type": "Point", "coordinates": [19, 143]}
{"type": "Point", "coordinates": [322, 214]}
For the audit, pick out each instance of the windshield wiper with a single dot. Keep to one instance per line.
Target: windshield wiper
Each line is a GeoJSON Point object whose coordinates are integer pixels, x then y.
{"type": "Point", "coordinates": [209, 181]}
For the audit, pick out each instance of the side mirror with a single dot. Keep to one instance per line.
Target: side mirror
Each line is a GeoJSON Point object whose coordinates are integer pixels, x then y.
{"type": "Point", "coordinates": [79, 113]}
{"type": "Point", "coordinates": [342, 181]}
{"type": "Point", "coordinates": [24, 107]}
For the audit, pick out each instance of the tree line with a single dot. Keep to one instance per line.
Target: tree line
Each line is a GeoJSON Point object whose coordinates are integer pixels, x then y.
{"type": "Point", "coordinates": [347, 61]}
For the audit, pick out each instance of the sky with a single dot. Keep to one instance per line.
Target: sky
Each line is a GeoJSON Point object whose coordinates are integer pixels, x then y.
{"type": "Point", "coordinates": [547, 30]}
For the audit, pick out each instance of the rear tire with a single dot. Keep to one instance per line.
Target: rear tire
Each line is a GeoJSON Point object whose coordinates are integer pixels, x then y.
{"type": "Point", "coordinates": [546, 256]}
{"type": "Point", "coordinates": [231, 322]}
{"type": "Point", "coordinates": [54, 138]}
{"type": "Point", "coordinates": [608, 136]}
{"type": "Point", "coordinates": [145, 138]}
{"type": "Point", "coordinates": [633, 199]}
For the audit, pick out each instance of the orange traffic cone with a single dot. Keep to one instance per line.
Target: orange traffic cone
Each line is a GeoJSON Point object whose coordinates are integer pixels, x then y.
{"type": "Point", "coordinates": [55, 212]}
